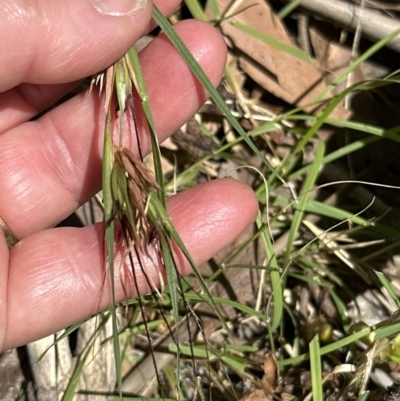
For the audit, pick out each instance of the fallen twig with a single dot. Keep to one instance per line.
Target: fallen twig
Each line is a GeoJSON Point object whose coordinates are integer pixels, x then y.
{"type": "Point", "coordinates": [374, 24]}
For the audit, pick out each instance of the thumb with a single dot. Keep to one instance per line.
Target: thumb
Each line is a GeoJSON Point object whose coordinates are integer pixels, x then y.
{"type": "Point", "coordinates": [57, 41]}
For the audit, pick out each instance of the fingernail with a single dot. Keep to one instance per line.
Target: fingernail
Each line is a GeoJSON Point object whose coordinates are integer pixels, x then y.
{"type": "Point", "coordinates": [118, 8]}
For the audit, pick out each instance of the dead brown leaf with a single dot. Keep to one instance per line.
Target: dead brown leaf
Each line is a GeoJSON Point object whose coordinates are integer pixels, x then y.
{"type": "Point", "coordinates": [268, 388]}
{"type": "Point", "coordinates": [287, 77]}
{"type": "Point", "coordinates": [255, 394]}
{"type": "Point", "coordinates": [269, 382]}
{"type": "Point", "coordinates": [332, 57]}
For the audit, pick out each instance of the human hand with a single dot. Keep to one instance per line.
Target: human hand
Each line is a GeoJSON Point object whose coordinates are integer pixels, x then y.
{"type": "Point", "coordinates": [53, 277]}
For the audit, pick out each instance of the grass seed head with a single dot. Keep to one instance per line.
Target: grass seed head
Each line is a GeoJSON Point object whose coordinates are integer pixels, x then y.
{"type": "Point", "coordinates": [140, 183]}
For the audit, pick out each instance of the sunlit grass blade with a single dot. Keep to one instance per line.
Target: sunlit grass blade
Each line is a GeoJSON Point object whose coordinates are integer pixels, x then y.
{"type": "Point", "coordinates": [164, 224]}
{"type": "Point", "coordinates": [196, 9]}
{"type": "Point", "coordinates": [342, 152]}
{"type": "Point", "coordinates": [277, 296]}
{"type": "Point", "coordinates": [377, 133]}
{"type": "Point", "coordinates": [330, 347]}
{"type": "Point", "coordinates": [201, 76]}
{"type": "Point", "coordinates": [172, 278]}
{"type": "Point", "coordinates": [214, 9]}
{"type": "Point", "coordinates": [386, 331]}
{"type": "Point", "coordinates": [332, 104]}
{"type": "Point", "coordinates": [288, 8]}
{"type": "Point", "coordinates": [67, 332]}
{"type": "Point", "coordinates": [127, 398]}
{"type": "Point", "coordinates": [70, 391]}
{"type": "Point", "coordinates": [389, 133]}
{"type": "Point", "coordinates": [322, 209]}
{"type": "Point", "coordinates": [364, 396]}
{"type": "Point", "coordinates": [202, 352]}
{"type": "Point", "coordinates": [229, 302]}
{"type": "Point", "coordinates": [283, 47]}
{"type": "Point", "coordinates": [316, 370]}
{"type": "Point", "coordinates": [303, 199]}
{"type": "Point", "coordinates": [355, 64]}
{"type": "Point", "coordinates": [385, 282]}
{"type": "Point", "coordinates": [293, 115]}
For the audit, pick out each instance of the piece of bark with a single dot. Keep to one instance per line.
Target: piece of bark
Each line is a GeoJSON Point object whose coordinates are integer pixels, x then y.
{"type": "Point", "coordinates": [52, 373]}
{"type": "Point", "coordinates": [12, 378]}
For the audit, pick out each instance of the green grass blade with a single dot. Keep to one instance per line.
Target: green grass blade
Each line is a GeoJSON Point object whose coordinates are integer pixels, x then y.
{"type": "Point", "coordinates": [229, 302]}
{"type": "Point", "coordinates": [108, 160]}
{"type": "Point", "coordinates": [235, 362]}
{"type": "Point", "coordinates": [303, 199]}
{"type": "Point", "coordinates": [214, 9]}
{"type": "Point", "coordinates": [337, 154]}
{"type": "Point", "coordinates": [277, 292]}
{"type": "Point", "coordinates": [126, 398]}
{"type": "Point", "coordinates": [316, 370]}
{"type": "Point", "coordinates": [58, 338]}
{"type": "Point", "coordinates": [332, 104]}
{"type": "Point", "coordinates": [173, 380]}
{"type": "Point", "coordinates": [368, 54]}
{"type": "Point", "coordinates": [165, 224]}
{"type": "Point", "coordinates": [364, 396]}
{"type": "Point", "coordinates": [172, 278]}
{"type": "Point", "coordinates": [277, 296]}
{"type": "Point", "coordinates": [288, 8]}
{"type": "Point", "coordinates": [201, 76]}
{"type": "Point", "coordinates": [341, 308]}
{"type": "Point", "coordinates": [323, 209]}
{"type": "Point", "coordinates": [391, 133]}
{"type": "Point", "coordinates": [320, 121]}
{"type": "Point", "coordinates": [196, 9]}
{"type": "Point", "coordinates": [283, 47]}
{"type": "Point", "coordinates": [70, 391]}
{"type": "Point", "coordinates": [385, 332]}
{"type": "Point", "coordinates": [343, 342]}
{"type": "Point", "coordinates": [385, 282]}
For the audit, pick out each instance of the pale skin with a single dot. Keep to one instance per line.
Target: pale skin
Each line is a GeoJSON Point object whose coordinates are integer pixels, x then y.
{"type": "Point", "coordinates": [48, 167]}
